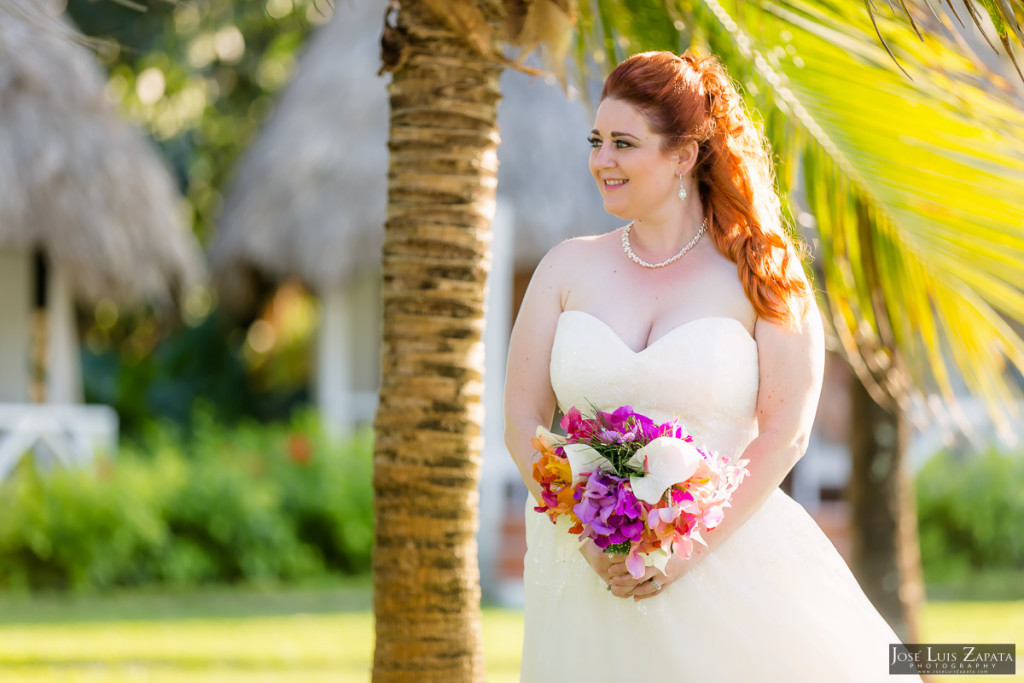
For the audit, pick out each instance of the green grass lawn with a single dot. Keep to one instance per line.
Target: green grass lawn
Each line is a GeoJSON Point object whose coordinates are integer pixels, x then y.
{"type": "Point", "coordinates": [286, 636]}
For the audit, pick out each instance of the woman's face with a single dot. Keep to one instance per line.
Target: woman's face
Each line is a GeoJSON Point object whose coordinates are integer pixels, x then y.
{"type": "Point", "coordinates": [635, 177]}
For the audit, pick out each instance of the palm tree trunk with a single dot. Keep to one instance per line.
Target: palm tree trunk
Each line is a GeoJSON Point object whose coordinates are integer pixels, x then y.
{"type": "Point", "coordinates": [886, 555]}
{"type": "Point", "coordinates": [442, 181]}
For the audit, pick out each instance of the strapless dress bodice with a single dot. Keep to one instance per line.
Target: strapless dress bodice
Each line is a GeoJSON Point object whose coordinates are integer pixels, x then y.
{"type": "Point", "coordinates": [703, 373]}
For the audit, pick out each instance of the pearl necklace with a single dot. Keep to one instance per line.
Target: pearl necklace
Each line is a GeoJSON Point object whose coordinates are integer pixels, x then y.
{"type": "Point", "coordinates": [682, 252]}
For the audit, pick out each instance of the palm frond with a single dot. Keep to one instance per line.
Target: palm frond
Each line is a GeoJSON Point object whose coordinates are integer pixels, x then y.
{"type": "Point", "coordinates": [916, 188]}
{"type": "Point", "coordinates": [1004, 15]}
{"type": "Point", "coordinates": [933, 235]}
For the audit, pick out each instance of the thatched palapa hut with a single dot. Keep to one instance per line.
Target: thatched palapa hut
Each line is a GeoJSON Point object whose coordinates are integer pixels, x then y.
{"type": "Point", "coordinates": [87, 209]}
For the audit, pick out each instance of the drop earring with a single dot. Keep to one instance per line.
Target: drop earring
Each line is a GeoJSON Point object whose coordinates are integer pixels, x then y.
{"type": "Point", "coordinates": [682, 190]}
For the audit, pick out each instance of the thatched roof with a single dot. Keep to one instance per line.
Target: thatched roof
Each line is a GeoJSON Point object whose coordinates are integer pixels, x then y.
{"type": "Point", "coordinates": [309, 198]}
{"type": "Point", "coordinates": [76, 182]}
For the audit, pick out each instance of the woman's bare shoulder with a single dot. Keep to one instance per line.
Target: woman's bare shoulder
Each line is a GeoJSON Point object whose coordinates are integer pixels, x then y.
{"type": "Point", "coordinates": [570, 265]}
{"type": "Point", "coordinates": [722, 272]}
{"type": "Point", "coordinates": [575, 247]}
{"type": "Point", "coordinates": [578, 251]}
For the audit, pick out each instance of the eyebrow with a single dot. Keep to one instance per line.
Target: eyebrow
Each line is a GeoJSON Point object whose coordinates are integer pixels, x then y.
{"type": "Point", "coordinates": [615, 134]}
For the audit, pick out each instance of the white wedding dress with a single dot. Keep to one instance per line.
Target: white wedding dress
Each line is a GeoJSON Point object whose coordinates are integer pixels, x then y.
{"type": "Point", "coordinates": [774, 602]}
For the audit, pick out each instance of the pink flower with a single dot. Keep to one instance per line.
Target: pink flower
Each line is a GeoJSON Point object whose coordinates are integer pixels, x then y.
{"type": "Point", "coordinates": [713, 517]}
{"type": "Point", "coordinates": [577, 427]}
{"type": "Point", "coordinates": [660, 518]}
{"type": "Point", "coordinates": [635, 564]}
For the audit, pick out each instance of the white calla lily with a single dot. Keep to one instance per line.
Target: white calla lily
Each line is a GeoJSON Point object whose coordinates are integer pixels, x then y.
{"type": "Point", "coordinates": [669, 461]}
{"type": "Point", "coordinates": [583, 458]}
{"type": "Point", "coordinates": [548, 436]}
{"type": "Point", "coordinates": [658, 558]}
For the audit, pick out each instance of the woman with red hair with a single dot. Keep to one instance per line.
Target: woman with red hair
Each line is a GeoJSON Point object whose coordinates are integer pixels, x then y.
{"type": "Point", "coordinates": [697, 309]}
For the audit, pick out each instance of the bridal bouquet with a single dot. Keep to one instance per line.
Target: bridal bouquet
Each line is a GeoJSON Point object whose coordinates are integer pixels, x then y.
{"type": "Point", "coordinates": [635, 487]}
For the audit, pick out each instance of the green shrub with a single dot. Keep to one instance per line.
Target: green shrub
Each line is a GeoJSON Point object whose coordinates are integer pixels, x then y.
{"type": "Point", "coordinates": [74, 528]}
{"type": "Point", "coordinates": [226, 525]}
{"type": "Point", "coordinates": [249, 503]}
{"type": "Point", "coordinates": [970, 514]}
{"type": "Point", "coordinates": [329, 499]}
{"type": "Point", "coordinates": [322, 488]}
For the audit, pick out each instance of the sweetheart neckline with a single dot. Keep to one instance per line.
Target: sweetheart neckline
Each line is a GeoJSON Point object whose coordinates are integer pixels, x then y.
{"type": "Point", "coordinates": [657, 341]}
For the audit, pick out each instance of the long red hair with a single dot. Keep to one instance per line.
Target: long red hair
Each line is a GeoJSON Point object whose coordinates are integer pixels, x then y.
{"type": "Point", "coordinates": [691, 98]}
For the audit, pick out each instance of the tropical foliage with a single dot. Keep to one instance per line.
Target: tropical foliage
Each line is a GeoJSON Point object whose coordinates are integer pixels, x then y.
{"type": "Point", "coordinates": [1005, 20]}
{"type": "Point", "coordinates": [911, 191]}
{"type": "Point", "coordinates": [246, 504]}
{"type": "Point", "coordinates": [259, 371]}
{"type": "Point", "coordinates": [970, 509]}
{"type": "Point", "coordinates": [199, 76]}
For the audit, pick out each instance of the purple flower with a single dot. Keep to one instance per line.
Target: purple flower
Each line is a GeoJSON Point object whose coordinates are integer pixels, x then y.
{"type": "Point", "coordinates": [594, 496]}
{"type": "Point", "coordinates": [626, 420]}
{"type": "Point", "coordinates": [612, 436]}
{"type": "Point", "coordinates": [609, 511]}
{"type": "Point", "coordinates": [618, 418]}
{"type": "Point", "coordinates": [627, 504]}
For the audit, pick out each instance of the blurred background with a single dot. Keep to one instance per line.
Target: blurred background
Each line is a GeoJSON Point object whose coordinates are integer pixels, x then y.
{"type": "Point", "coordinates": [192, 201]}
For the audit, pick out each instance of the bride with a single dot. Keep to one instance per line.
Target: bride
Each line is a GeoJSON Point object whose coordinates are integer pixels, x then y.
{"type": "Point", "coordinates": [698, 309]}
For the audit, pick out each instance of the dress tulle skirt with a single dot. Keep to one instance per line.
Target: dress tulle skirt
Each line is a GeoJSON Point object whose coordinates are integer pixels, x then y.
{"type": "Point", "coordinates": [775, 602]}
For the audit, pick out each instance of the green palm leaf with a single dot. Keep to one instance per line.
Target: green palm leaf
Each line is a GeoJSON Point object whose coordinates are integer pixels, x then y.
{"type": "Point", "coordinates": [916, 187]}
{"type": "Point", "coordinates": [1005, 17]}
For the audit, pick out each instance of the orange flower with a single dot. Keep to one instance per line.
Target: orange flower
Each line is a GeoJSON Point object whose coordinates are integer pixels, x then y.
{"type": "Point", "coordinates": [552, 471]}
{"type": "Point", "coordinates": [300, 449]}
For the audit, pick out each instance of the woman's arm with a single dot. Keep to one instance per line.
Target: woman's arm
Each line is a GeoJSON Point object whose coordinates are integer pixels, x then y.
{"type": "Point", "coordinates": [791, 365]}
{"type": "Point", "coordinates": [529, 399]}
